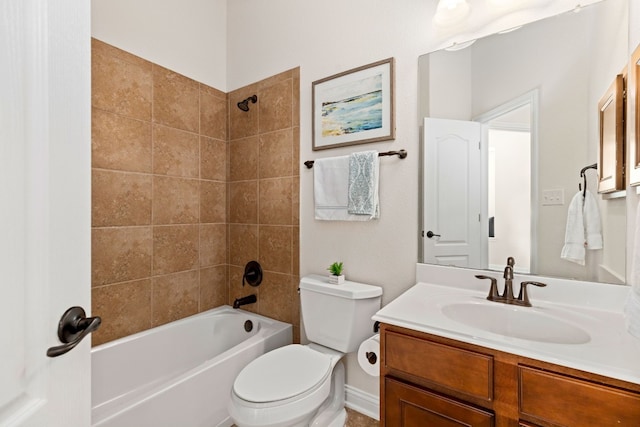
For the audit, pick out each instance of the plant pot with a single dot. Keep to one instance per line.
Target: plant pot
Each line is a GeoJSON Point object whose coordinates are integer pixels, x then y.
{"type": "Point", "coordinates": [336, 280]}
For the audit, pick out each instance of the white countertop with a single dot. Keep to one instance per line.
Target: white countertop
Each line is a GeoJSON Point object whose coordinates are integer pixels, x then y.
{"type": "Point", "coordinates": [595, 308]}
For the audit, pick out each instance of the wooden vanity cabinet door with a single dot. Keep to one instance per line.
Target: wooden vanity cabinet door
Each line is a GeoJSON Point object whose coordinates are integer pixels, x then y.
{"type": "Point", "coordinates": [410, 406]}
{"type": "Point", "coordinates": [446, 368]}
{"type": "Point", "coordinates": [550, 398]}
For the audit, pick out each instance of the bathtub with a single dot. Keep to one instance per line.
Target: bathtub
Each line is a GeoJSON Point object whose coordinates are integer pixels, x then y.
{"type": "Point", "coordinates": [181, 373]}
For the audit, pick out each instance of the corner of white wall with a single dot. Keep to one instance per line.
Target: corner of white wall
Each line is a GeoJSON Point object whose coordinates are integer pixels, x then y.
{"type": "Point", "coordinates": [189, 38]}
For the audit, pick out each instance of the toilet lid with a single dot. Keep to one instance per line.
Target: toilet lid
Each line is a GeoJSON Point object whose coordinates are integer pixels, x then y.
{"type": "Point", "coordinates": [282, 373]}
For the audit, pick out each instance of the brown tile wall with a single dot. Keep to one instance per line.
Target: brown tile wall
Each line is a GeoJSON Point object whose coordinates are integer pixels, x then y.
{"type": "Point", "coordinates": [159, 182]}
{"type": "Point", "coordinates": [186, 188]}
{"type": "Point", "coordinates": [263, 189]}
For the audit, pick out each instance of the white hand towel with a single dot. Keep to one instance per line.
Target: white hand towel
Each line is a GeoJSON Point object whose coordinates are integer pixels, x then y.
{"type": "Point", "coordinates": [364, 171]}
{"type": "Point", "coordinates": [632, 311]}
{"type": "Point", "coordinates": [632, 307]}
{"type": "Point", "coordinates": [331, 190]}
{"type": "Point", "coordinates": [574, 241]}
{"type": "Point", "coordinates": [592, 224]}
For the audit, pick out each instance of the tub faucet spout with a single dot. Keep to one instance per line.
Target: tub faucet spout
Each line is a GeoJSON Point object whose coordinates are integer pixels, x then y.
{"type": "Point", "coordinates": [249, 299]}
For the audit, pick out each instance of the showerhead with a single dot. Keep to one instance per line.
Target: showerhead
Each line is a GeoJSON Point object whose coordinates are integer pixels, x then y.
{"type": "Point", "coordinates": [244, 105]}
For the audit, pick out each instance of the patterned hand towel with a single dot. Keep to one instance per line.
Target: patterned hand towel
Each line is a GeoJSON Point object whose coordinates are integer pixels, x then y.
{"type": "Point", "coordinates": [364, 171]}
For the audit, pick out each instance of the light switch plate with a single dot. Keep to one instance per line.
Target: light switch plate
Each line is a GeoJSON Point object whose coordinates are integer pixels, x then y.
{"type": "Point", "coordinates": [553, 197]}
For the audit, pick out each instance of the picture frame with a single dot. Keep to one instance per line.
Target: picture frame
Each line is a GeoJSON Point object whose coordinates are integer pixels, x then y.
{"type": "Point", "coordinates": [633, 116]}
{"type": "Point", "coordinates": [354, 107]}
{"type": "Point", "coordinates": [611, 127]}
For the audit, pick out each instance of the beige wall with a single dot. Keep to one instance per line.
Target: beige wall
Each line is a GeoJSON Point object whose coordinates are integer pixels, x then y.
{"type": "Point", "coordinates": [188, 37]}
{"type": "Point", "coordinates": [166, 239]}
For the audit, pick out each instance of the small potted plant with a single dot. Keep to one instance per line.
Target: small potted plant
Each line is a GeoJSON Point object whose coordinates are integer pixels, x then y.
{"type": "Point", "coordinates": [336, 277]}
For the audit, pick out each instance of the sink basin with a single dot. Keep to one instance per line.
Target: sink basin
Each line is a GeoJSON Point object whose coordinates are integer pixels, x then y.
{"type": "Point", "coordinates": [516, 322]}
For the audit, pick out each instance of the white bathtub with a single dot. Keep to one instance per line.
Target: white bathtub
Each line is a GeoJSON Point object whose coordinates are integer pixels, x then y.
{"type": "Point", "coordinates": [181, 373]}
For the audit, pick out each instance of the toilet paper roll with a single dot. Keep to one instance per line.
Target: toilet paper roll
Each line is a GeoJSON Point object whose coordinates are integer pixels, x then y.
{"type": "Point", "coordinates": [369, 355]}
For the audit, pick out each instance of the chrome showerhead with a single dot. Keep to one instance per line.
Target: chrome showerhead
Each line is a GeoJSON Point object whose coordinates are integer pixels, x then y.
{"type": "Point", "coordinates": [244, 105]}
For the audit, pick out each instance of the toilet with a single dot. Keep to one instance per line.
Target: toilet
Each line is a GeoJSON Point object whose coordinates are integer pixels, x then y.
{"type": "Point", "coordinates": [303, 385]}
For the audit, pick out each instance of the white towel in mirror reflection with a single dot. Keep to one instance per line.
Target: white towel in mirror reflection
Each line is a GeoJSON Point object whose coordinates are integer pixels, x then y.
{"type": "Point", "coordinates": [632, 307]}
{"type": "Point", "coordinates": [584, 228]}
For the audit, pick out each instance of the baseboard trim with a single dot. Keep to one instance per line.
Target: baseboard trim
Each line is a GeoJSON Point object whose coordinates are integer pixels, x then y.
{"type": "Point", "coordinates": [363, 402]}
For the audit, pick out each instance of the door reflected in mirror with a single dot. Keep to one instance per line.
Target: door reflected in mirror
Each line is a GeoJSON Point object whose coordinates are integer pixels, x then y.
{"type": "Point", "coordinates": [533, 94]}
{"type": "Point", "coordinates": [509, 159]}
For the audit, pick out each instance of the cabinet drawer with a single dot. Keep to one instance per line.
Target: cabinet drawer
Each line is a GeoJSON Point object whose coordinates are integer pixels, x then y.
{"type": "Point", "coordinates": [410, 406]}
{"type": "Point", "coordinates": [568, 401]}
{"type": "Point", "coordinates": [458, 370]}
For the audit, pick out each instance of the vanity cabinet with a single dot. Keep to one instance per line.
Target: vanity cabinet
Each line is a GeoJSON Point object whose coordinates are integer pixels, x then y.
{"type": "Point", "coordinates": [412, 406]}
{"type": "Point", "coordinates": [427, 380]}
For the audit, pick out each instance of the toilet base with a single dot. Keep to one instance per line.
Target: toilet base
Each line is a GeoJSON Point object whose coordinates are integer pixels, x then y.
{"type": "Point", "coordinates": [340, 420]}
{"type": "Point", "coordinates": [332, 412]}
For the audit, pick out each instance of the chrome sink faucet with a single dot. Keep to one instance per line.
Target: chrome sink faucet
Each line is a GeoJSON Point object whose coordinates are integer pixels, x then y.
{"type": "Point", "coordinates": [507, 294]}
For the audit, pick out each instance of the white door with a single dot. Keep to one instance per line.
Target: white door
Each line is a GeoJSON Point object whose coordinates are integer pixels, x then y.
{"type": "Point", "coordinates": [455, 227]}
{"type": "Point", "coordinates": [45, 184]}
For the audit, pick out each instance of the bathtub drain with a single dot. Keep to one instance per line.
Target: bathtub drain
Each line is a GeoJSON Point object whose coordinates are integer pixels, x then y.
{"type": "Point", "coordinates": [248, 325]}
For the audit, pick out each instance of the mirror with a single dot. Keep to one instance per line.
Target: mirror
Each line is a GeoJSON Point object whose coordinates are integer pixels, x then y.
{"type": "Point", "coordinates": [532, 94]}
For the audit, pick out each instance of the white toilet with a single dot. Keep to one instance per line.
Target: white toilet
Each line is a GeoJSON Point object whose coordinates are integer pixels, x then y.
{"type": "Point", "coordinates": [303, 385]}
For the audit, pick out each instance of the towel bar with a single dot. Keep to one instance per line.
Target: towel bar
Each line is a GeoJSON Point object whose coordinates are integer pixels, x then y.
{"type": "Point", "coordinates": [402, 154]}
{"type": "Point", "coordinates": [583, 175]}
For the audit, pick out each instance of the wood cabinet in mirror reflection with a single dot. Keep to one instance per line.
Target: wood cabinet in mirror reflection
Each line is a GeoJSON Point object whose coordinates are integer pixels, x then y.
{"type": "Point", "coordinates": [633, 117]}
{"type": "Point", "coordinates": [611, 112]}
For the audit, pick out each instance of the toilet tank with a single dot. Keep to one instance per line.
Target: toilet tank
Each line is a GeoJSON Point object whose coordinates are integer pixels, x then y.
{"type": "Point", "coordinates": [338, 316]}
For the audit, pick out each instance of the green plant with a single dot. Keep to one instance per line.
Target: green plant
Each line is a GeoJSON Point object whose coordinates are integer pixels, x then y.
{"type": "Point", "coordinates": [335, 268]}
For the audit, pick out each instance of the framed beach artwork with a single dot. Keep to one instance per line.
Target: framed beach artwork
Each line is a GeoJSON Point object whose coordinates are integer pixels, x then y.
{"type": "Point", "coordinates": [354, 107]}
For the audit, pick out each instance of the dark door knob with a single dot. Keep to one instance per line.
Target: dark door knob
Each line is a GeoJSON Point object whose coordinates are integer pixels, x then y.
{"type": "Point", "coordinates": [431, 234]}
{"type": "Point", "coordinates": [74, 325]}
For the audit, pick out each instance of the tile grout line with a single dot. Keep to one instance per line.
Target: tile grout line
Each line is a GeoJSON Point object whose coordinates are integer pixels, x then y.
{"type": "Point", "coordinates": [153, 240]}
{"type": "Point", "coordinates": [199, 309]}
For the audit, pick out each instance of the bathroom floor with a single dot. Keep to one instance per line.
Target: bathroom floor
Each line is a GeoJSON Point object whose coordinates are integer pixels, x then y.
{"type": "Point", "coordinates": [356, 419]}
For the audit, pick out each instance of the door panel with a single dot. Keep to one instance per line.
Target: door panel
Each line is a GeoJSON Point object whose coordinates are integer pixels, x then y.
{"type": "Point", "coordinates": [454, 206]}
{"type": "Point", "coordinates": [45, 215]}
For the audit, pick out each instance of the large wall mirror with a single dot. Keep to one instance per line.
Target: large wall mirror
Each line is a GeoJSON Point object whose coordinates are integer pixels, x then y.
{"type": "Point", "coordinates": [510, 120]}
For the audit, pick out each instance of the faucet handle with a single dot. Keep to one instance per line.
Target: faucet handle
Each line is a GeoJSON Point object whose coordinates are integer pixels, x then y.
{"type": "Point", "coordinates": [493, 292]}
{"type": "Point", "coordinates": [523, 296]}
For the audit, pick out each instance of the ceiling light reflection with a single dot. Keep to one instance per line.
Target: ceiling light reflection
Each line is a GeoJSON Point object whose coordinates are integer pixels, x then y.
{"type": "Point", "coordinates": [451, 12]}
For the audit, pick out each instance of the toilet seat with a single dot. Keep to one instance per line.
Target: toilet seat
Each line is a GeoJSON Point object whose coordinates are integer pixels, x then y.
{"type": "Point", "coordinates": [283, 374]}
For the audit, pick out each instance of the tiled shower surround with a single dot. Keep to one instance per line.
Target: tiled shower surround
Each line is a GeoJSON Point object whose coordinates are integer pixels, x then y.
{"type": "Point", "coordinates": [186, 188]}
